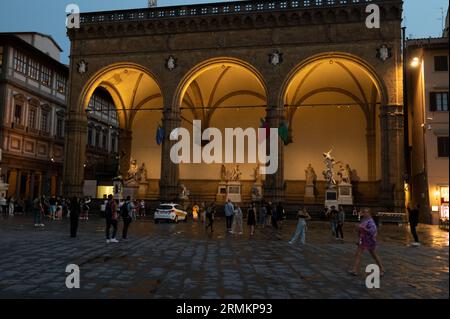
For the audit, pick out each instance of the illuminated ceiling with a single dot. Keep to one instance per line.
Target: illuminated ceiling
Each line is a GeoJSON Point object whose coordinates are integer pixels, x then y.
{"type": "Point", "coordinates": [132, 90]}
{"type": "Point", "coordinates": [222, 85]}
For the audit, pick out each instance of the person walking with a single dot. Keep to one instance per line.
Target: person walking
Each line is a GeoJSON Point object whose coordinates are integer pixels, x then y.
{"type": "Point", "coordinates": [331, 214]}
{"type": "Point", "coordinates": [302, 226]}
{"type": "Point", "coordinates": [340, 219]}
{"type": "Point", "coordinates": [52, 203]}
{"type": "Point", "coordinates": [413, 216]}
{"type": "Point", "coordinates": [237, 221]}
{"type": "Point", "coordinates": [75, 209]}
{"type": "Point", "coordinates": [280, 215]}
{"type": "Point", "coordinates": [85, 209]}
{"type": "Point", "coordinates": [251, 219]}
{"type": "Point", "coordinates": [262, 214]}
{"type": "Point", "coordinates": [367, 241]}
{"type": "Point", "coordinates": [38, 211]}
{"type": "Point", "coordinates": [275, 217]}
{"type": "Point", "coordinates": [269, 213]}
{"type": "Point", "coordinates": [142, 208]}
{"type": "Point", "coordinates": [229, 212]}
{"type": "Point", "coordinates": [127, 216]}
{"type": "Point", "coordinates": [111, 220]}
{"type": "Point", "coordinates": [210, 213]}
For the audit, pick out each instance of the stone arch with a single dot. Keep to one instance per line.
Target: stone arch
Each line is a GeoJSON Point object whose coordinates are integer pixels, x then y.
{"type": "Point", "coordinates": [362, 85]}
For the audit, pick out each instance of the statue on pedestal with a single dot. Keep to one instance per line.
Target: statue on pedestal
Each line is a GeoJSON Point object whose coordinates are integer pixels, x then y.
{"type": "Point", "coordinates": [184, 192]}
{"type": "Point", "coordinates": [257, 175]}
{"type": "Point", "coordinates": [345, 174]}
{"type": "Point", "coordinates": [133, 171]}
{"type": "Point", "coordinates": [236, 174]}
{"type": "Point", "coordinates": [142, 174]}
{"type": "Point", "coordinates": [310, 175]}
{"type": "Point", "coordinates": [328, 172]}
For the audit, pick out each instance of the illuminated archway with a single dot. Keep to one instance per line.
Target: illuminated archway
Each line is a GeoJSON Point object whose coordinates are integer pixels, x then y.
{"type": "Point", "coordinates": [222, 93]}
{"type": "Point", "coordinates": [333, 101]}
{"type": "Point", "coordinates": [138, 99]}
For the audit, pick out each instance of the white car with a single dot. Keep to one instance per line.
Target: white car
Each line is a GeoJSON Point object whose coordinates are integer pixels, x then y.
{"type": "Point", "coordinates": [170, 212]}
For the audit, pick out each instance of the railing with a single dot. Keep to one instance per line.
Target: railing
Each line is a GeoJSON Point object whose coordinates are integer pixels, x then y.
{"type": "Point", "coordinates": [214, 9]}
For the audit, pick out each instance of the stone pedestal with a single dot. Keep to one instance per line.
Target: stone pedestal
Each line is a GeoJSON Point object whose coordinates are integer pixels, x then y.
{"type": "Point", "coordinates": [345, 194]}
{"type": "Point", "coordinates": [331, 198]}
{"type": "Point", "coordinates": [309, 194]}
{"type": "Point", "coordinates": [221, 196]}
{"type": "Point", "coordinates": [229, 190]}
{"type": "Point", "coordinates": [234, 192]}
{"type": "Point", "coordinates": [143, 190]}
{"type": "Point", "coordinates": [132, 191]}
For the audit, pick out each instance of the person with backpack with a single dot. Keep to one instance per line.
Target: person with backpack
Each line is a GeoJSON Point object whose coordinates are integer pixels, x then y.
{"type": "Point", "coordinates": [111, 220]}
{"type": "Point", "coordinates": [126, 212]}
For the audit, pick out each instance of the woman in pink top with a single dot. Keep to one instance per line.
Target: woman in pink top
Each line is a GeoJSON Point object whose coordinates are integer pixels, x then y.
{"type": "Point", "coordinates": [367, 241]}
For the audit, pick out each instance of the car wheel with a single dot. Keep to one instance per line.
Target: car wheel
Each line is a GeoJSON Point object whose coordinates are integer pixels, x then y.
{"type": "Point", "coordinates": [156, 221]}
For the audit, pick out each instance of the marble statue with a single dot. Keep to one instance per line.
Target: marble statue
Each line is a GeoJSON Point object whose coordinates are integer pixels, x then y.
{"type": "Point", "coordinates": [236, 174]}
{"type": "Point", "coordinates": [345, 174]}
{"type": "Point", "coordinates": [257, 175]}
{"type": "Point", "coordinates": [224, 174]}
{"type": "Point", "coordinates": [142, 173]}
{"type": "Point", "coordinates": [184, 192]}
{"type": "Point", "coordinates": [328, 172]}
{"type": "Point", "coordinates": [310, 174]}
{"type": "Point", "coordinates": [133, 171]}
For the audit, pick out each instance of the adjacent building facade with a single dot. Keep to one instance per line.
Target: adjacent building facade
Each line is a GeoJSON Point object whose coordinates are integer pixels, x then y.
{"type": "Point", "coordinates": [33, 91]}
{"type": "Point", "coordinates": [427, 77]}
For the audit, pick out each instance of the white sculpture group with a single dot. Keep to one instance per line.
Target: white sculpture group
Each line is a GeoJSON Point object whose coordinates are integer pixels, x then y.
{"type": "Point", "coordinates": [135, 173]}
{"type": "Point", "coordinates": [231, 176]}
{"type": "Point", "coordinates": [344, 171]}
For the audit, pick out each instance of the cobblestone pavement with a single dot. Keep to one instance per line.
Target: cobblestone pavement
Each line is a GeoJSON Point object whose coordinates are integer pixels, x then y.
{"type": "Point", "coordinates": [182, 261]}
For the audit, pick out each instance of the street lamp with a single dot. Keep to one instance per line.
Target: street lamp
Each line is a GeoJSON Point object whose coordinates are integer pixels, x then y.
{"type": "Point", "coordinates": [415, 62]}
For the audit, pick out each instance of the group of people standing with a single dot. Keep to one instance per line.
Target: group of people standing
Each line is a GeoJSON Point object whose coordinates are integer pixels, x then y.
{"type": "Point", "coordinates": [113, 210]}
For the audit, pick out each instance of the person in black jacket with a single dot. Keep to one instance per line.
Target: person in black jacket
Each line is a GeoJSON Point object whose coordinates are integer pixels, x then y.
{"type": "Point", "coordinates": [413, 222]}
{"type": "Point", "coordinates": [75, 209]}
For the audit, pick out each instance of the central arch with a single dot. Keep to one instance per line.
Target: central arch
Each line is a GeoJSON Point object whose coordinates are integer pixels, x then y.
{"type": "Point", "coordinates": [223, 93]}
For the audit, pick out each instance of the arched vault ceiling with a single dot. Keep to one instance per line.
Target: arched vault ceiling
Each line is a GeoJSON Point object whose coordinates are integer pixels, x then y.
{"type": "Point", "coordinates": [136, 90]}
{"type": "Point", "coordinates": [344, 81]}
{"type": "Point", "coordinates": [223, 85]}
{"type": "Point", "coordinates": [340, 73]}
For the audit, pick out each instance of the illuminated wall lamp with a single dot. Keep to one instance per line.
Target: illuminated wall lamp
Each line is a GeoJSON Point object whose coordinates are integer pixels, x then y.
{"type": "Point", "coordinates": [415, 62]}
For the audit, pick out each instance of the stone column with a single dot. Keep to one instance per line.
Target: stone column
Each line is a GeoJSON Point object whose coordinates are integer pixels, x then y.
{"type": "Point", "coordinates": [392, 161]}
{"type": "Point", "coordinates": [170, 174]}
{"type": "Point", "coordinates": [125, 139]}
{"type": "Point", "coordinates": [274, 185]}
{"type": "Point", "coordinates": [75, 154]}
{"type": "Point", "coordinates": [371, 154]}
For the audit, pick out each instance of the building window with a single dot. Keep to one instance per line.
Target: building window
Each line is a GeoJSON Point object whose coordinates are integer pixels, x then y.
{"type": "Point", "coordinates": [97, 138]}
{"type": "Point", "coordinates": [105, 142]}
{"type": "Point", "coordinates": [60, 127]}
{"type": "Point", "coordinates": [442, 146]}
{"type": "Point", "coordinates": [439, 101]}
{"type": "Point", "coordinates": [441, 63]}
{"type": "Point", "coordinates": [113, 144]}
{"type": "Point", "coordinates": [46, 76]}
{"type": "Point", "coordinates": [18, 114]}
{"type": "Point", "coordinates": [32, 118]}
{"type": "Point", "coordinates": [33, 69]}
{"type": "Point", "coordinates": [61, 84]}
{"type": "Point", "coordinates": [44, 122]}
{"type": "Point", "coordinates": [90, 140]}
{"type": "Point", "coordinates": [20, 62]}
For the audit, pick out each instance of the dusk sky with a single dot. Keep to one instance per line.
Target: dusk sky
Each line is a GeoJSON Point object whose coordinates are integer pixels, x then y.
{"type": "Point", "coordinates": [422, 18]}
